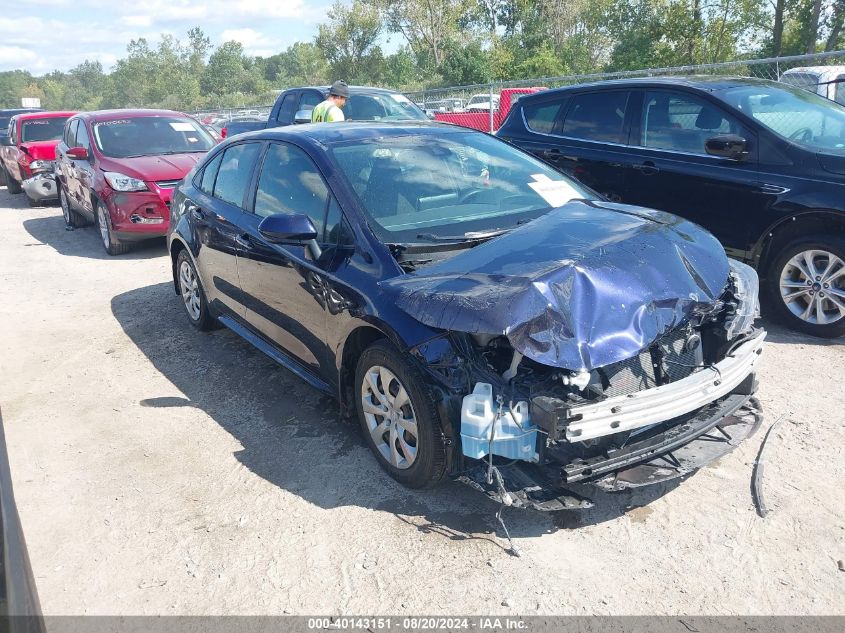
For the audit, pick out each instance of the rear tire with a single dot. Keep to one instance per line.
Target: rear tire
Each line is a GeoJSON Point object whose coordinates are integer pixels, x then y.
{"type": "Point", "coordinates": [193, 294]}
{"type": "Point", "coordinates": [806, 285]}
{"type": "Point", "coordinates": [112, 245]}
{"type": "Point", "coordinates": [72, 218]}
{"type": "Point", "coordinates": [400, 423]}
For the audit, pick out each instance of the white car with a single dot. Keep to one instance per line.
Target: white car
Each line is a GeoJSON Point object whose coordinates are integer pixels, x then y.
{"type": "Point", "coordinates": [828, 81]}
{"type": "Point", "coordinates": [481, 103]}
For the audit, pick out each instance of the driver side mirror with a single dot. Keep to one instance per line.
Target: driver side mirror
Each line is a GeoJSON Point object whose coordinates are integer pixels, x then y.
{"type": "Point", "coordinates": [730, 146]}
{"type": "Point", "coordinates": [290, 228]}
{"type": "Point", "coordinates": [78, 153]}
{"type": "Point", "coordinates": [302, 116]}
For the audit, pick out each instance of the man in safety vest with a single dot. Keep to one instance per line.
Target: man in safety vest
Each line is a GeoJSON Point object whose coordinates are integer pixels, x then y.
{"type": "Point", "coordinates": [329, 111]}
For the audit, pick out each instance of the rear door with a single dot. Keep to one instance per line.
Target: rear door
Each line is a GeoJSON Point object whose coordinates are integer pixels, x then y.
{"type": "Point", "coordinates": [216, 210]}
{"type": "Point", "coordinates": [584, 135]}
{"type": "Point", "coordinates": [673, 172]}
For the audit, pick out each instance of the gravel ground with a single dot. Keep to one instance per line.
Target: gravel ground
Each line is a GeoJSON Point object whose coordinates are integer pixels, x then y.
{"type": "Point", "coordinates": [160, 470]}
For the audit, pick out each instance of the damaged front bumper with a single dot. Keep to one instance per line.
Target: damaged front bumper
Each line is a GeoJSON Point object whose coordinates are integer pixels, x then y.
{"type": "Point", "coordinates": [650, 406]}
{"type": "Point", "coordinates": [41, 187]}
{"type": "Point", "coordinates": [665, 452]}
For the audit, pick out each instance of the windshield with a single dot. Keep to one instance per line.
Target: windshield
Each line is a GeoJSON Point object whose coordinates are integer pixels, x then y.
{"type": "Point", "coordinates": [43, 129]}
{"type": "Point", "coordinates": [454, 186]}
{"type": "Point", "coordinates": [792, 113]}
{"type": "Point", "coordinates": [382, 107]}
{"type": "Point", "coordinates": [150, 136]}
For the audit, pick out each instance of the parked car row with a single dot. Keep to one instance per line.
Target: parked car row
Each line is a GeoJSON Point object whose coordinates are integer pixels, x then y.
{"type": "Point", "coordinates": [483, 314]}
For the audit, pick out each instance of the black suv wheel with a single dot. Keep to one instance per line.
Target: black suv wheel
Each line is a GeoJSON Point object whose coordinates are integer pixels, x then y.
{"type": "Point", "coordinates": [806, 284]}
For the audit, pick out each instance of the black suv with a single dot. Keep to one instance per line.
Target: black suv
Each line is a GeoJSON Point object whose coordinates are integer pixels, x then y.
{"type": "Point", "coordinates": [758, 163]}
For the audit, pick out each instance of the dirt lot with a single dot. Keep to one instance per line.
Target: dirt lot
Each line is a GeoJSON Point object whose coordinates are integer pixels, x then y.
{"type": "Point", "coordinates": [161, 470]}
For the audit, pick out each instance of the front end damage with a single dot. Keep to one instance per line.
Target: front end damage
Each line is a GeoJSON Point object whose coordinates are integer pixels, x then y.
{"type": "Point", "coordinates": [602, 370]}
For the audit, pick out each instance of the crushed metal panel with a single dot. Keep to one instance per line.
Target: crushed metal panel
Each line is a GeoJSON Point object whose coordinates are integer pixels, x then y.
{"type": "Point", "coordinates": [586, 285]}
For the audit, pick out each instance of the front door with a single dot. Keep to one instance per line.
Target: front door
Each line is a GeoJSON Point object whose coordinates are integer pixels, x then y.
{"type": "Point", "coordinates": [673, 172]}
{"type": "Point", "coordinates": [283, 285]}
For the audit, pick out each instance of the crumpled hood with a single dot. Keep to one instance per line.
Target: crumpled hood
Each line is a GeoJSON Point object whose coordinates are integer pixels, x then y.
{"type": "Point", "coordinates": [586, 285]}
{"type": "Point", "coordinates": [41, 150]}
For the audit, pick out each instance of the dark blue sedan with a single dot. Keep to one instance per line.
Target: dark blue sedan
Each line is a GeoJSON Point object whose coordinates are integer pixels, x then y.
{"type": "Point", "coordinates": [483, 316]}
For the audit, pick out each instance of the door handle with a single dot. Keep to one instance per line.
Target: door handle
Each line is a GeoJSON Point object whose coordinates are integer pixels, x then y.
{"type": "Point", "coordinates": [647, 168]}
{"type": "Point", "coordinates": [551, 153]}
{"type": "Point", "coordinates": [244, 240]}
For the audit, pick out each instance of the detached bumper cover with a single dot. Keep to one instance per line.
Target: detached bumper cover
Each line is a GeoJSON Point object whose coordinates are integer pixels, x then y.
{"type": "Point", "coordinates": [651, 406]}
{"type": "Point", "coordinates": [41, 187]}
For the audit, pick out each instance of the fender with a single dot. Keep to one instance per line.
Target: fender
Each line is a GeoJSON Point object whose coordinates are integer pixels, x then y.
{"type": "Point", "coordinates": [756, 252]}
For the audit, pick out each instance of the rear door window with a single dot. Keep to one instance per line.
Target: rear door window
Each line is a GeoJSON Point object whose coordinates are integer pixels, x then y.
{"type": "Point", "coordinates": [597, 116]}
{"type": "Point", "coordinates": [235, 172]}
{"type": "Point", "coordinates": [543, 117]}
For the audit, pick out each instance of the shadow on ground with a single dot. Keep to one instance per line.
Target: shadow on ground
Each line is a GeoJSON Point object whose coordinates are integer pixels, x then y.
{"type": "Point", "coordinates": [85, 241]}
{"type": "Point", "coordinates": [780, 335]}
{"type": "Point", "coordinates": [293, 436]}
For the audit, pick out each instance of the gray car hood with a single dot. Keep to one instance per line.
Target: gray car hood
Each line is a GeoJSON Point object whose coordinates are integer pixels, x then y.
{"type": "Point", "coordinates": [586, 285]}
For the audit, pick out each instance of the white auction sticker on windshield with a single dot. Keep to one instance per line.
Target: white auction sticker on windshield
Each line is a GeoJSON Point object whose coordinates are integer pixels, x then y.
{"type": "Point", "coordinates": [401, 98]}
{"type": "Point", "coordinates": [180, 126]}
{"type": "Point", "coordinates": [556, 193]}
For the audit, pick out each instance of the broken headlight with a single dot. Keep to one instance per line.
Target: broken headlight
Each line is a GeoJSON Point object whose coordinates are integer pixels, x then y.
{"type": "Point", "coordinates": [746, 290]}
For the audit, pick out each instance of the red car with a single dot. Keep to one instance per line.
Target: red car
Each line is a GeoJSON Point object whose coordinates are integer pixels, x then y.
{"type": "Point", "coordinates": [28, 153]}
{"type": "Point", "coordinates": [118, 168]}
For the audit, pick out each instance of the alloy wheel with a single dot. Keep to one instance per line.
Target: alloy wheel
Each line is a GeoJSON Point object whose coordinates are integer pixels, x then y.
{"type": "Point", "coordinates": [102, 220]}
{"type": "Point", "coordinates": [390, 417]}
{"type": "Point", "coordinates": [812, 285]}
{"type": "Point", "coordinates": [189, 287]}
{"type": "Point", "coordinates": [63, 201]}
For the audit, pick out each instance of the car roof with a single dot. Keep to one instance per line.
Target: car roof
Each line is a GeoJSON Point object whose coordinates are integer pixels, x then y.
{"type": "Point", "coordinates": [353, 90]}
{"type": "Point", "coordinates": [106, 115]}
{"type": "Point", "coordinates": [13, 111]}
{"type": "Point", "coordinates": [322, 134]}
{"type": "Point", "coordinates": [703, 82]}
{"type": "Point", "coordinates": [43, 115]}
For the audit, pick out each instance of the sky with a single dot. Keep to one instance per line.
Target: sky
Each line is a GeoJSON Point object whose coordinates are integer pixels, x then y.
{"type": "Point", "coordinates": [44, 35]}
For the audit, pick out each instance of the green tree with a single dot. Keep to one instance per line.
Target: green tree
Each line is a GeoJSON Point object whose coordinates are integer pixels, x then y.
{"type": "Point", "coordinates": [348, 42]}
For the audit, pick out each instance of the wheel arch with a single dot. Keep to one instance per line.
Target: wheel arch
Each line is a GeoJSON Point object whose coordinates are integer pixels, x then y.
{"type": "Point", "coordinates": [791, 228]}
{"type": "Point", "coordinates": [177, 246]}
{"type": "Point", "coordinates": [354, 344]}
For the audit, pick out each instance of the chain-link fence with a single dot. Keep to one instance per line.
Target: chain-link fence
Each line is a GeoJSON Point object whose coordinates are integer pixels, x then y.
{"type": "Point", "coordinates": [484, 106]}
{"type": "Point", "coordinates": [224, 115]}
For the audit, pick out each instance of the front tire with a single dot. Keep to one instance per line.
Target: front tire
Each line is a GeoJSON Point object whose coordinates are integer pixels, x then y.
{"type": "Point", "coordinates": [806, 284]}
{"type": "Point", "coordinates": [12, 185]}
{"type": "Point", "coordinates": [112, 245]}
{"type": "Point", "coordinates": [398, 417]}
{"type": "Point", "coordinates": [193, 294]}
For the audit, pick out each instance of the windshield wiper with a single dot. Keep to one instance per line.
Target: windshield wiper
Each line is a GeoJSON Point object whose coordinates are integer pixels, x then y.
{"type": "Point", "coordinates": [466, 237]}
